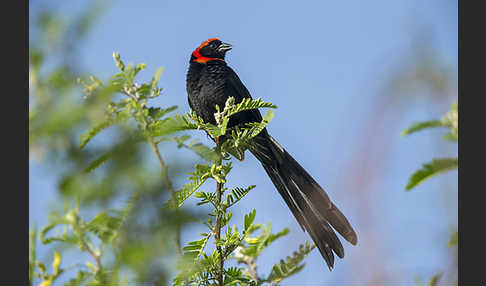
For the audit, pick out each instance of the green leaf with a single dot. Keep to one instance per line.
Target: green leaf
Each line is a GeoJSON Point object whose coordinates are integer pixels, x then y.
{"type": "Point", "coordinates": [200, 149]}
{"type": "Point", "coordinates": [112, 118]}
{"type": "Point", "coordinates": [47, 282]}
{"type": "Point", "coordinates": [180, 140]}
{"type": "Point", "coordinates": [93, 131]}
{"type": "Point", "coordinates": [197, 178]}
{"type": "Point", "coordinates": [222, 117]}
{"type": "Point", "coordinates": [226, 218]}
{"type": "Point", "coordinates": [249, 218]}
{"type": "Point", "coordinates": [257, 244]}
{"type": "Point", "coordinates": [105, 226]}
{"type": "Point", "coordinates": [155, 79]}
{"type": "Point", "coordinates": [241, 136]}
{"type": "Point", "coordinates": [116, 151]}
{"type": "Point", "coordinates": [450, 137]}
{"type": "Point", "coordinates": [453, 240]}
{"type": "Point", "coordinates": [70, 219]}
{"type": "Point", "coordinates": [36, 57]}
{"type": "Point", "coordinates": [32, 253]}
{"type": "Point", "coordinates": [172, 124]}
{"type": "Point", "coordinates": [157, 112]}
{"type": "Point", "coordinates": [431, 169]}
{"type": "Point", "coordinates": [434, 281]}
{"type": "Point", "coordinates": [291, 265]}
{"type": "Point", "coordinates": [193, 270]}
{"type": "Point", "coordinates": [119, 63]}
{"type": "Point", "coordinates": [99, 161]}
{"type": "Point", "coordinates": [80, 279]}
{"type": "Point", "coordinates": [195, 249]}
{"type": "Point", "coordinates": [206, 198]}
{"type": "Point", "coordinates": [422, 125]}
{"type": "Point", "coordinates": [129, 74]}
{"type": "Point", "coordinates": [450, 119]}
{"type": "Point", "coordinates": [236, 195]}
{"type": "Point", "coordinates": [204, 151]}
{"type": "Point", "coordinates": [272, 237]}
{"type": "Point", "coordinates": [234, 276]}
{"type": "Point", "coordinates": [56, 263]}
{"type": "Point", "coordinates": [256, 128]}
{"type": "Point", "coordinates": [246, 104]}
{"type": "Point", "coordinates": [47, 279]}
{"type": "Point", "coordinates": [90, 88]}
{"type": "Point", "coordinates": [115, 113]}
{"type": "Point", "coordinates": [41, 266]}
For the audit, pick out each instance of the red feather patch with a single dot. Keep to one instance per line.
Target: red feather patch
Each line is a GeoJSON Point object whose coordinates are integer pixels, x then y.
{"type": "Point", "coordinates": [201, 59]}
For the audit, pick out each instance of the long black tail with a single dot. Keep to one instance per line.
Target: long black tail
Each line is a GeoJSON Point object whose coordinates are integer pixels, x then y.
{"type": "Point", "coordinates": [308, 202]}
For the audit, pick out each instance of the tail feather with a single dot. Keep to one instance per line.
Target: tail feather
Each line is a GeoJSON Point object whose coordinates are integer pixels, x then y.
{"type": "Point", "coordinates": [308, 202]}
{"type": "Point", "coordinates": [319, 230]}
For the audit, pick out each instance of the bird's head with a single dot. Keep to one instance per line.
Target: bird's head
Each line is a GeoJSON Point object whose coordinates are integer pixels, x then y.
{"type": "Point", "coordinates": [210, 50]}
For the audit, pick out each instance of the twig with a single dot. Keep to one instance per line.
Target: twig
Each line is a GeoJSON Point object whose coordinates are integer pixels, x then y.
{"type": "Point", "coordinates": [165, 173]}
{"type": "Point", "coordinates": [219, 192]}
{"type": "Point", "coordinates": [163, 166]}
{"type": "Point", "coordinates": [252, 267]}
{"type": "Point", "coordinates": [84, 244]}
{"type": "Point", "coordinates": [210, 227]}
{"type": "Point", "coordinates": [93, 254]}
{"type": "Point", "coordinates": [165, 176]}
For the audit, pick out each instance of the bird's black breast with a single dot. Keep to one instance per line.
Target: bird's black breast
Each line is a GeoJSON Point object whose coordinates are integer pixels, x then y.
{"type": "Point", "coordinates": [212, 84]}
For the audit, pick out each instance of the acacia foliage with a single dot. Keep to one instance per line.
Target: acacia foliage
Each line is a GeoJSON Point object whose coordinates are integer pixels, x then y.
{"type": "Point", "coordinates": [437, 165]}
{"type": "Point", "coordinates": [107, 234]}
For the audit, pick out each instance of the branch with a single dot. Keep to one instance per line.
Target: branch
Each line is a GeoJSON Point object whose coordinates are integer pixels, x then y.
{"type": "Point", "coordinates": [165, 176]}
{"type": "Point", "coordinates": [96, 257]}
{"type": "Point", "coordinates": [219, 192]}
{"type": "Point", "coordinates": [165, 170]}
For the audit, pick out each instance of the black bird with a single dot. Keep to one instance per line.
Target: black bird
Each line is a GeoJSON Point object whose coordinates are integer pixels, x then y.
{"type": "Point", "coordinates": [210, 82]}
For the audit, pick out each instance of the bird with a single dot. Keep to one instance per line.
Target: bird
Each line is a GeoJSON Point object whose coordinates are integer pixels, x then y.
{"type": "Point", "coordinates": [210, 82]}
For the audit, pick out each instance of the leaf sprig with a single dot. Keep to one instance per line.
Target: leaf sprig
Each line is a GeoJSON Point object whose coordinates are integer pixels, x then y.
{"type": "Point", "coordinates": [230, 243]}
{"type": "Point", "coordinates": [196, 264]}
{"type": "Point", "coordinates": [436, 166]}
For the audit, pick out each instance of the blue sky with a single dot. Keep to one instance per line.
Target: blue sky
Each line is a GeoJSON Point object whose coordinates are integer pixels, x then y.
{"type": "Point", "coordinates": [325, 64]}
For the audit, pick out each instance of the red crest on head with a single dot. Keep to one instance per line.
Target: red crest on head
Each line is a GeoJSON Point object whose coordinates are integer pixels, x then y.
{"type": "Point", "coordinates": [201, 59]}
{"type": "Point", "coordinates": [207, 42]}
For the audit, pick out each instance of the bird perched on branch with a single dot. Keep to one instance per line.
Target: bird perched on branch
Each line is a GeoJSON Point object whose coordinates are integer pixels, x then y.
{"type": "Point", "coordinates": [210, 82]}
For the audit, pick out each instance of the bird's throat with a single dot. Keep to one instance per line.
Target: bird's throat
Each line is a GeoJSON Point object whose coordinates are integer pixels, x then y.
{"type": "Point", "coordinates": [201, 59]}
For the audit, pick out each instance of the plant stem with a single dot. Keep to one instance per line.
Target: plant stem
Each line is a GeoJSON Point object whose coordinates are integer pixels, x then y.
{"type": "Point", "coordinates": [84, 245]}
{"type": "Point", "coordinates": [165, 170]}
{"type": "Point", "coordinates": [165, 176]}
{"type": "Point", "coordinates": [94, 255]}
{"type": "Point", "coordinates": [219, 193]}
{"type": "Point", "coordinates": [219, 187]}
{"type": "Point", "coordinates": [252, 268]}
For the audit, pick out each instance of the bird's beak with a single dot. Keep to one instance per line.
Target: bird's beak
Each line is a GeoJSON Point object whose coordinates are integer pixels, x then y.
{"type": "Point", "coordinates": [224, 47]}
